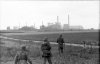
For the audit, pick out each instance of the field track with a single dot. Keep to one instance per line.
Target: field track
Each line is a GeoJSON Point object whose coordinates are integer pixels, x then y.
{"type": "Point", "coordinates": [80, 45]}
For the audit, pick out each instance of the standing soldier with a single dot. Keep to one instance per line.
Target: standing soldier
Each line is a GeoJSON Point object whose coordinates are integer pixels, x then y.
{"type": "Point", "coordinates": [46, 49]}
{"type": "Point", "coordinates": [22, 56]}
{"type": "Point", "coordinates": [60, 42]}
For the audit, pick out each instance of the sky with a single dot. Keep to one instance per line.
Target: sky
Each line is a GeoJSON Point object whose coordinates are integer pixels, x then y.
{"type": "Point", "coordinates": [21, 13]}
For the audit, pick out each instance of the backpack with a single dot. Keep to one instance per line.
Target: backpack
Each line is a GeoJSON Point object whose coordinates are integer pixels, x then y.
{"type": "Point", "coordinates": [60, 41]}
{"type": "Point", "coordinates": [46, 50]}
{"type": "Point", "coordinates": [22, 55]}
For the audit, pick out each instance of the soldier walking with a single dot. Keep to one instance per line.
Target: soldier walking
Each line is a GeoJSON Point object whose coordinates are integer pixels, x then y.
{"type": "Point", "coordinates": [22, 56]}
{"type": "Point", "coordinates": [46, 49]}
{"type": "Point", "coordinates": [60, 42]}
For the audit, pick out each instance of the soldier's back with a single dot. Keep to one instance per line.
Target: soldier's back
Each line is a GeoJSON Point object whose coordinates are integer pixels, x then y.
{"type": "Point", "coordinates": [46, 50]}
{"type": "Point", "coordinates": [60, 41]}
{"type": "Point", "coordinates": [22, 57]}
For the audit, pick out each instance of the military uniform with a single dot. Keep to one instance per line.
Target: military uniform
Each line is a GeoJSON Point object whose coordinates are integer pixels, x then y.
{"type": "Point", "coordinates": [60, 42]}
{"type": "Point", "coordinates": [46, 49]}
{"type": "Point", "coordinates": [22, 57]}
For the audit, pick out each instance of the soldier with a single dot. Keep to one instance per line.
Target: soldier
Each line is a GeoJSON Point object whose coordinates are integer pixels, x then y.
{"type": "Point", "coordinates": [46, 49]}
{"type": "Point", "coordinates": [22, 56]}
{"type": "Point", "coordinates": [60, 42]}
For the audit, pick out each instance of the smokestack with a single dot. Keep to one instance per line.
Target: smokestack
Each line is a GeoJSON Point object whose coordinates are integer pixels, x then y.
{"type": "Point", "coordinates": [34, 25]}
{"type": "Point", "coordinates": [57, 19]}
{"type": "Point", "coordinates": [68, 20]}
{"type": "Point", "coordinates": [26, 23]}
{"type": "Point", "coordinates": [19, 24]}
{"type": "Point", "coordinates": [42, 22]}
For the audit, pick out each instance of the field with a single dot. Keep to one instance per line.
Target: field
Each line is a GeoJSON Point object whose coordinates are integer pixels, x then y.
{"type": "Point", "coordinates": [71, 55]}
{"type": "Point", "coordinates": [69, 37]}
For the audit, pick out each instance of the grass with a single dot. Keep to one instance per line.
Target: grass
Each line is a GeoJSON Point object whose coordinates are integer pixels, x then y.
{"type": "Point", "coordinates": [71, 54]}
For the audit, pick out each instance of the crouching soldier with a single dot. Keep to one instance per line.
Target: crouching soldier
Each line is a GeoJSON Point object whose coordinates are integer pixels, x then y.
{"type": "Point", "coordinates": [46, 49]}
{"type": "Point", "coordinates": [22, 56]}
{"type": "Point", "coordinates": [60, 42]}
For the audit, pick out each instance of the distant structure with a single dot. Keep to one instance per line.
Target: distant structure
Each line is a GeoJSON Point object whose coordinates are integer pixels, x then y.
{"type": "Point", "coordinates": [99, 25]}
{"type": "Point", "coordinates": [34, 25]}
{"type": "Point", "coordinates": [76, 27]}
{"type": "Point", "coordinates": [15, 28]}
{"type": "Point", "coordinates": [68, 27]}
{"type": "Point", "coordinates": [57, 26]}
{"type": "Point", "coordinates": [8, 28]}
{"type": "Point", "coordinates": [19, 25]}
{"type": "Point", "coordinates": [57, 19]}
{"type": "Point", "coordinates": [68, 21]}
{"type": "Point", "coordinates": [42, 27]}
{"type": "Point", "coordinates": [54, 26]}
{"type": "Point", "coordinates": [51, 26]}
{"type": "Point", "coordinates": [28, 28]}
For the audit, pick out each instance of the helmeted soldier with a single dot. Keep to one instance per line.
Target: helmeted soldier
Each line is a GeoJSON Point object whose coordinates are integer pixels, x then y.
{"type": "Point", "coordinates": [60, 42]}
{"type": "Point", "coordinates": [46, 49]}
{"type": "Point", "coordinates": [22, 56]}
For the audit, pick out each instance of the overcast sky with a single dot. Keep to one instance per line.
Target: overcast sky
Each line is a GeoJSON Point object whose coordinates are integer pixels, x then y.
{"type": "Point", "coordinates": [13, 13]}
